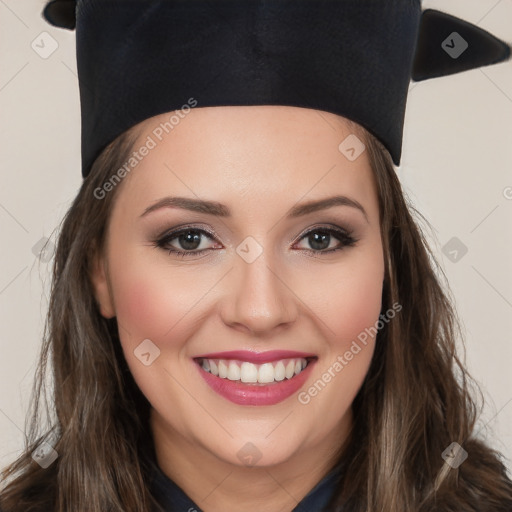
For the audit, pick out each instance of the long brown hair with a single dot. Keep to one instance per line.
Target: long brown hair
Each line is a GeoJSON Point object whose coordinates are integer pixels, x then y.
{"type": "Point", "coordinates": [415, 401]}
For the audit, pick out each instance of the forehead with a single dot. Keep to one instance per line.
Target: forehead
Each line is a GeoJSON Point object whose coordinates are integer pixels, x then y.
{"type": "Point", "coordinates": [272, 155]}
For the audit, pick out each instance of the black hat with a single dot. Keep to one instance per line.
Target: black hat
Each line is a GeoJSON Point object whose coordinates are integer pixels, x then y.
{"type": "Point", "coordinates": [140, 58]}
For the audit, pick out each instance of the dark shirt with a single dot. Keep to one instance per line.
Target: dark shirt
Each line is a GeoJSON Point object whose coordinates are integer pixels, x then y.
{"type": "Point", "coordinates": [172, 498]}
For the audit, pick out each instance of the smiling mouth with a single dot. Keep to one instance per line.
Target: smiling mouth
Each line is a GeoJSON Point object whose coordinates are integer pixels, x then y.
{"type": "Point", "coordinates": [255, 374]}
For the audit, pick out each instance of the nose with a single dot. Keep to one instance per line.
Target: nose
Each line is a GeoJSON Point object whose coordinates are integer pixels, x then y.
{"type": "Point", "coordinates": [258, 299]}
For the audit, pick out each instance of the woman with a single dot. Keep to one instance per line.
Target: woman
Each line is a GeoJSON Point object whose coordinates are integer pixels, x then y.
{"type": "Point", "coordinates": [257, 333]}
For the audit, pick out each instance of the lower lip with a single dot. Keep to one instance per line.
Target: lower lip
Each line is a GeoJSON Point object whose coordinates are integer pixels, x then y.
{"type": "Point", "coordinates": [251, 394]}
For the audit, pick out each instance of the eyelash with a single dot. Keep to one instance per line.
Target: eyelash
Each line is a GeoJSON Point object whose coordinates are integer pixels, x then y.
{"type": "Point", "coordinates": [345, 237]}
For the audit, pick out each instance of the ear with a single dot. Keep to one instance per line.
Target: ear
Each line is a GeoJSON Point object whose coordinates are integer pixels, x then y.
{"type": "Point", "coordinates": [101, 285]}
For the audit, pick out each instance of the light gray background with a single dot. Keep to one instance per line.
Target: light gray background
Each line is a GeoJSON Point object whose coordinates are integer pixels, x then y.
{"type": "Point", "coordinates": [456, 167]}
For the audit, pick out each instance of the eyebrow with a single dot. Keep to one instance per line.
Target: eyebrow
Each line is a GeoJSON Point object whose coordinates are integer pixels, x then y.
{"type": "Point", "coordinates": [221, 210]}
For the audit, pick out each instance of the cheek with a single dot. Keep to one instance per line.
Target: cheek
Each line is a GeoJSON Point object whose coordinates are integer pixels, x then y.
{"type": "Point", "coordinates": [151, 302]}
{"type": "Point", "coordinates": [352, 307]}
{"type": "Point", "coordinates": [352, 301]}
{"type": "Point", "coordinates": [360, 304]}
{"type": "Point", "coordinates": [139, 305]}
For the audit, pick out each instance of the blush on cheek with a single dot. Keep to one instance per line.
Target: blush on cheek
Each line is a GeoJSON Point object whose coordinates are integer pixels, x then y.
{"type": "Point", "coordinates": [356, 311]}
{"type": "Point", "coordinates": [152, 304]}
{"type": "Point", "coordinates": [145, 309]}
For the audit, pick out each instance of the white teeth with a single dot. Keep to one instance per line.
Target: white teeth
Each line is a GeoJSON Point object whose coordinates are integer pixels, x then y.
{"type": "Point", "coordinates": [266, 373]}
{"type": "Point", "coordinates": [254, 373]}
{"type": "Point", "coordinates": [290, 369]}
{"type": "Point", "coordinates": [233, 371]}
{"type": "Point", "coordinates": [248, 372]}
{"type": "Point", "coordinates": [223, 370]}
{"type": "Point", "coordinates": [279, 371]}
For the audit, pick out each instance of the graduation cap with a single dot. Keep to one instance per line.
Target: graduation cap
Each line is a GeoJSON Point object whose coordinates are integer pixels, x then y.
{"type": "Point", "coordinates": [140, 58]}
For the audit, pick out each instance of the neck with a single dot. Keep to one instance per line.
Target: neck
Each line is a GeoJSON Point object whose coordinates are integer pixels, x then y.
{"type": "Point", "coordinates": [216, 485]}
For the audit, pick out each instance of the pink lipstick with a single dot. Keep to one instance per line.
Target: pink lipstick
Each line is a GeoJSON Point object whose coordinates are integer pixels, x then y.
{"type": "Point", "coordinates": [255, 378]}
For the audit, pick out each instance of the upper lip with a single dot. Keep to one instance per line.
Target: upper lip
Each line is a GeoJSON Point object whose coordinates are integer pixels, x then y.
{"type": "Point", "coordinates": [256, 357]}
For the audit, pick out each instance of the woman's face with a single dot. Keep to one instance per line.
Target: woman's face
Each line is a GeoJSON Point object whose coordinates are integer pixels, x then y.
{"type": "Point", "coordinates": [258, 287]}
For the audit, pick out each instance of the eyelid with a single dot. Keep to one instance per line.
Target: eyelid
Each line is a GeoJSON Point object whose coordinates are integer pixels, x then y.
{"type": "Point", "coordinates": [344, 235]}
{"type": "Point", "coordinates": [176, 230]}
{"type": "Point", "coordinates": [347, 229]}
{"type": "Point", "coordinates": [326, 226]}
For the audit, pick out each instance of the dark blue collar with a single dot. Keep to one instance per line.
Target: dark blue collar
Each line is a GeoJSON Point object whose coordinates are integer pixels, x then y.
{"type": "Point", "coordinates": [172, 497]}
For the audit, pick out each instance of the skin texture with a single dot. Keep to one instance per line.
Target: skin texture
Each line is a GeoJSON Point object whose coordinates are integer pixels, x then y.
{"type": "Point", "coordinates": [259, 162]}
